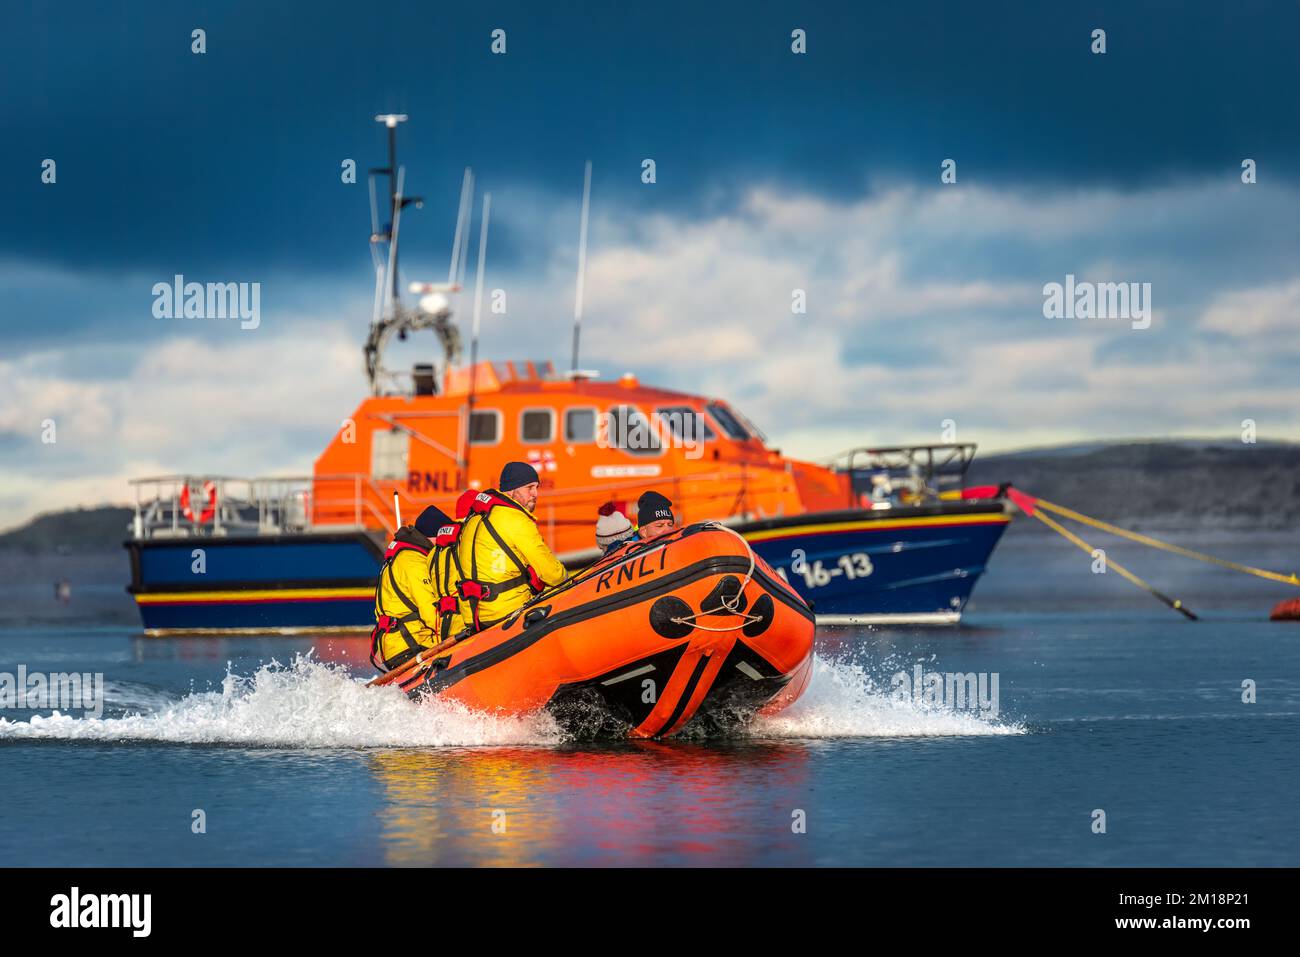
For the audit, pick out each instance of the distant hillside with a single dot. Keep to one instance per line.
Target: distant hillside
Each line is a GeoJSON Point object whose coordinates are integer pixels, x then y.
{"type": "Point", "coordinates": [84, 528]}
{"type": "Point", "coordinates": [1217, 484]}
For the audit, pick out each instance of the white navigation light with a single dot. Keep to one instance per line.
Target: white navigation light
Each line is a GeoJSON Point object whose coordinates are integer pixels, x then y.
{"type": "Point", "coordinates": [435, 304]}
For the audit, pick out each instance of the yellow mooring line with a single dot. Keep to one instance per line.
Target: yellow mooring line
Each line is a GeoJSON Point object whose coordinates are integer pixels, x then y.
{"type": "Point", "coordinates": [1057, 527]}
{"type": "Point", "coordinates": [1156, 543]}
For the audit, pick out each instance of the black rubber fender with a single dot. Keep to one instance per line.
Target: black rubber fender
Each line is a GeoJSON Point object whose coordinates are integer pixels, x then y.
{"type": "Point", "coordinates": [662, 613]}
{"type": "Point", "coordinates": [765, 611]}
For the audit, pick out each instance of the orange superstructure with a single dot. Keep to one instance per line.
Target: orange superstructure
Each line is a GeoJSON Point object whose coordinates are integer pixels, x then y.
{"type": "Point", "coordinates": [591, 442]}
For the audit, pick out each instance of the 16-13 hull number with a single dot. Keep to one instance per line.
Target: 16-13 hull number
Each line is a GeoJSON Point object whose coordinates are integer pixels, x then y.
{"type": "Point", "coordinates": [816, 574]}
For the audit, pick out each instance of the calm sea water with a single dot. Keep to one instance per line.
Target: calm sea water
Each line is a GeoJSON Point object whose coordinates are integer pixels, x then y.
{"type": "Point", "coordinates": [1105, 702]}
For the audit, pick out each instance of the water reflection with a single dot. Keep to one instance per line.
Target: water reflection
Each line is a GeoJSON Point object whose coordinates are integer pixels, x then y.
{"type": "Point", "coordinates": [625, 804]}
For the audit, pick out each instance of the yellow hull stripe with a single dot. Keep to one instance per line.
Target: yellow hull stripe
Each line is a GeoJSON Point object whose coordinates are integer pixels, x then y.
{"type": "Point", "coordinates": [278, 594]}
{"type": "Point", "coordinates": [880, 525]}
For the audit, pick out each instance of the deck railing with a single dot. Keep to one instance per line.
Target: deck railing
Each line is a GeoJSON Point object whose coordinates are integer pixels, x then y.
{"type": "Point", "coordinates": [904, 473]}
{"type": "Point", "coordinates": [243, 506]}
{"type": "Point", "coordinates": [342, 502]}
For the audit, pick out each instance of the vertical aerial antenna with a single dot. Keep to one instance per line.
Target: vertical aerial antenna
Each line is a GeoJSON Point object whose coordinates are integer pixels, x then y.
{"type": "Point", "coordinates": [454, 275]}
{"type": "Point", "coordinates": [464, 242]}
{"type": "Point", "coordinates": [375, 238]}
{"type": "Point", "coordinates": [582, 266]}
{"type": "Point", "coordinates": [390, 278]}
{"type": "Point", "coordinates": [478, 310]}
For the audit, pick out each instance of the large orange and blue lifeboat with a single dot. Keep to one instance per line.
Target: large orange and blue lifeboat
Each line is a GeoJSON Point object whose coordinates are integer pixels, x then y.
{"type": "Point", "coordinates": [878, 535]}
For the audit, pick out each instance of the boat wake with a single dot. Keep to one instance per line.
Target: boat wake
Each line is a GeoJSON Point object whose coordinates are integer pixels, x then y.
{"type": "Point", "coordinates": [313, 704]}
{"type": "Point", "coordinates": [844, 701]}
{"type": "Point", "coordinates": [304, 704]}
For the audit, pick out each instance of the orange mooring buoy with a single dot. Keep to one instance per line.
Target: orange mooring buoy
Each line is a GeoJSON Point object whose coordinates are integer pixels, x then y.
{"type": "Point", "coordinates": [1288, 610]}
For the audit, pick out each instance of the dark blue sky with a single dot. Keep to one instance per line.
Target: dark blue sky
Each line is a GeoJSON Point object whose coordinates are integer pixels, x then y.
{"type": "Point", "coordinates": [233, 156]}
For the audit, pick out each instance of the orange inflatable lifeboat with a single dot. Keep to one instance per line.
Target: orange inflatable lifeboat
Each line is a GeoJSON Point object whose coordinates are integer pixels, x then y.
{"type": "Point", "coordinates": [691, 629]}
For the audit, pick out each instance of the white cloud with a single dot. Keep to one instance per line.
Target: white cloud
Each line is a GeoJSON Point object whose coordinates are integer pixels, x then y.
{"type": "Point", "coordinates": [1264, 313]}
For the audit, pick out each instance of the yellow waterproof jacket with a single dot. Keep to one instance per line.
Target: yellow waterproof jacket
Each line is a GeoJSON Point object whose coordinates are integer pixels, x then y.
{"type": "Point", "coordinates": [405, 592]}
{"type": "Point", "coordinates": [483, 560]}
{"type": "Point", "coordinates": [444, 565]}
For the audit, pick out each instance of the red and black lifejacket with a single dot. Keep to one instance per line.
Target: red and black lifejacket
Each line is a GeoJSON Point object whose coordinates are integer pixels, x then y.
{"type": "Point", "coordinates": [447, 576]}
{"type": "Point", "coordinates": [471, 588]}
{"type": "Point", "coordinates": [406, 539]}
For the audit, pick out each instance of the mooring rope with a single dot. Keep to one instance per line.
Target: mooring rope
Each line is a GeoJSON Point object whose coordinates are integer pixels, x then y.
{"type": "Point", "coordinates": [1060, 529]}
{"type": "Point", "coordinates": [1097, 523]}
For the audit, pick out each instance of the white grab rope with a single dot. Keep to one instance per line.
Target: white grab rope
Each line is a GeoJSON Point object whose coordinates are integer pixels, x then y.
{"type": "Point", "coordinates": [729, 605]}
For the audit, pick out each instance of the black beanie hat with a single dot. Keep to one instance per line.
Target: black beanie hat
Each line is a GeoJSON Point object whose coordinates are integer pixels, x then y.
{"type": "Point", "coordinates": [430, 520]}
{"type": "Point", "coordinates": [653, 507]}
{"type": "Point", "coordinates": [517, 475]}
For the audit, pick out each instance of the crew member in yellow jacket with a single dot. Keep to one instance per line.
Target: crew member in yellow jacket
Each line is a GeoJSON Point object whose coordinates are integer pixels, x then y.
{"type": "Point", "coordinates": [407, 613]}
{"type": "Point", "coordinates": [502, 556]}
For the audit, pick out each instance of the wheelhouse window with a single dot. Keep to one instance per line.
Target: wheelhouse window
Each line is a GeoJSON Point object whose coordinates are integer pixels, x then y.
{"type": "Point", "coordinates": [686, 424]}
{"type": "Point", "coordinates": [389, 453]}
{"type": "Point", "coordinates": [624, 427]}
{"type": "Point", "coordinates": [728, 422]}
{"type": "Point", "coordinates": [485, 427]}
{"type": "Point", "coordinates": [537, 425]}
{"type": "Point", "coordinates": [749, 424]}
{"type": "Point", "coordinates": [580, 426]}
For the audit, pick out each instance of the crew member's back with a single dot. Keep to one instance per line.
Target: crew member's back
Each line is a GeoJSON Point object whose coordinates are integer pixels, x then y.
{"type": "Point", "coordinates": [407, 614]}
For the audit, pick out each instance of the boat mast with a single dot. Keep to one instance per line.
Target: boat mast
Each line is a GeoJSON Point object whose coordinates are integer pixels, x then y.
{"type": "Point", "coordinates": [389, 316]}
{"type": "Point", "coordinates": [396, 203]}
{"type": "Point", "coordinates": [394, 195]}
